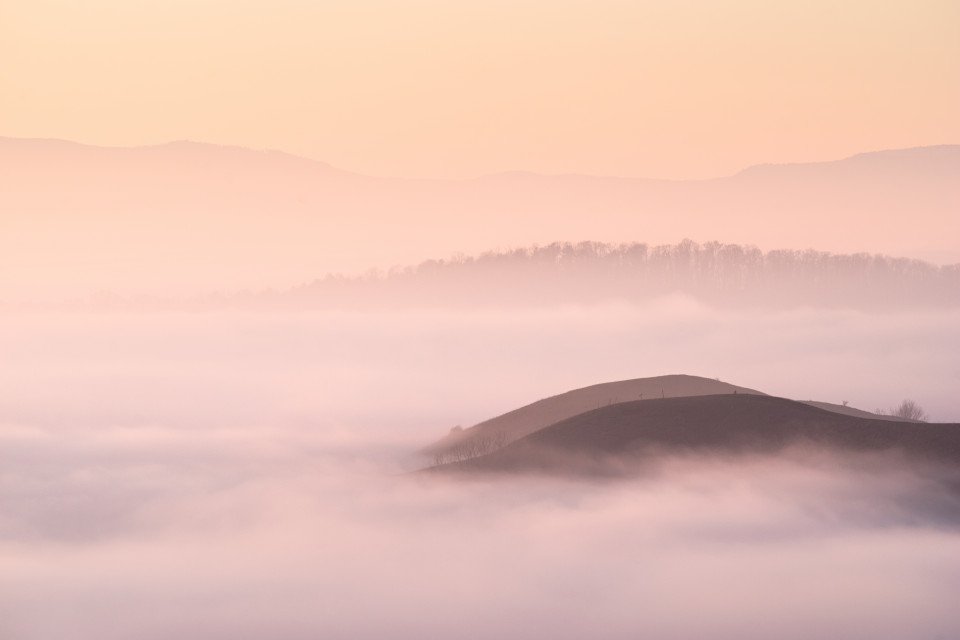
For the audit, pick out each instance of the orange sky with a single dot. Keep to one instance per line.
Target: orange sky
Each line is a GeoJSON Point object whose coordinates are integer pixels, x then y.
{"type": "Point", "coordinates": [691, 88]}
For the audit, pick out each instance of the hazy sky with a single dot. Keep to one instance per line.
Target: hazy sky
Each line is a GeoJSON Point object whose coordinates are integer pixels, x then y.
{"type": "Point", "coordinates": [689, 88]}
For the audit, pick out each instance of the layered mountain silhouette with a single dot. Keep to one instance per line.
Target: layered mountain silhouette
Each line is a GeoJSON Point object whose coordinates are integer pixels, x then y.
{"type": "Point", "coordinates": [592, 273]}
{"type": "Point", "coordinates": [721, 275]}
{"type": "Point", "coordinates": [201, 216]}
{"type": "Point", "coordinates": [570, 434]}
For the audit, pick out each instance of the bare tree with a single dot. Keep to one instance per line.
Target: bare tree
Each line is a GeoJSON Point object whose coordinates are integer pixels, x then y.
{"type": "Point", "coordinates": [908, 409]}
{"type": "Point", "coordinates": [472, 448]}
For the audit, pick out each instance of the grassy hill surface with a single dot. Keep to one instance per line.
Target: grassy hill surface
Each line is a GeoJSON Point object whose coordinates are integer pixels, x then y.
{"type": "Point", "coordinates": [533, 417]}
{"type": "Point", "coordinates": [494, 433]}
{"type": "Point", "coordinates": [611, 439]}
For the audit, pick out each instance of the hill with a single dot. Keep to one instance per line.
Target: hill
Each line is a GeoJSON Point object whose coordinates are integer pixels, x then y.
{"type": "Point", "coordinates": [613, 439]}
{"type": "Point", "coordinates": [493, 434]}
{"type": "Point", "coordinates": [192, 218]}
{"type": "Point", "coordinates": [716, 274]}
{"type": "Point", "coordinates": [535, 416]}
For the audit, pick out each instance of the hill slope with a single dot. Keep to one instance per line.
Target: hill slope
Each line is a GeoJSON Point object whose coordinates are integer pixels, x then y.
{"type": "Point", "coordinates": [513, 425]}
{"type": "Point", "coordinates": [535, 416]}
{"type": "Point", "coordinates": [608, 439]}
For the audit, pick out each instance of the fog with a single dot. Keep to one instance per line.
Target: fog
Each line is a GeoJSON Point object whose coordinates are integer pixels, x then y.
{"type": "Point", "coordinates": [411, 374]}
{"type": "Point", "coordinates": [291, 544]}
{"type": "Point", "coordinates": [245, 475]}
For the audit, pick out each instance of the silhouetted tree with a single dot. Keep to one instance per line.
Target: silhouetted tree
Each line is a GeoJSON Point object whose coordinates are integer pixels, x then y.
{"type": "Point", "coordinates": [910, 410]}
{"type": "Point", "coordinates": [907, 409]}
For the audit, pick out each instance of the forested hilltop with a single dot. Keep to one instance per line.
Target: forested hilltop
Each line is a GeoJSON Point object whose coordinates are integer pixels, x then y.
{"type": "Point", "coordinates": [721, 275]}
{"type": "Point", "coordinates": [589, 272]}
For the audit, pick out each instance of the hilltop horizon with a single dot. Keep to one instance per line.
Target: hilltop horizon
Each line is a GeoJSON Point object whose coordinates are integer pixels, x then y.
{"type": "Point", "coordinates": [713, 274]}
{"type": "Point", "coordinates": [507, 171]}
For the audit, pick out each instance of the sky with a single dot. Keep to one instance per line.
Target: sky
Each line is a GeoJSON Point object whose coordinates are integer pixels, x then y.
{"type": "Point", "coordinates": [431, 88]}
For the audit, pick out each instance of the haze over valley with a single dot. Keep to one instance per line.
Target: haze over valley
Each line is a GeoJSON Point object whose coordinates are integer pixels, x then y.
{"type": "Point", "coordinates": [477, 320]}
{"type": "Point", "coordinates": [194, 411]}
{"type": "Point", "coordinates": [267, 456]}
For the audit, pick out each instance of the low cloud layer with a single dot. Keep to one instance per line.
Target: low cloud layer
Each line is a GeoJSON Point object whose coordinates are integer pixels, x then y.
{"type": "Point", "coordinates": [202, 540]}
{"type": "Point", "coordinates": [416, 372]}
{"type": "Point", "coordinates": [242, 476]}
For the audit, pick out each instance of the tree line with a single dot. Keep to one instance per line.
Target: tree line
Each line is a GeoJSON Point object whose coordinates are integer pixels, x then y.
{"type": "Point", "coordinates": [718, 273]}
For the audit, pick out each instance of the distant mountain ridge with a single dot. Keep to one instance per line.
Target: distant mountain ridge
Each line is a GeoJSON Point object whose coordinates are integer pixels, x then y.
{"type": "Point", "coordinates": [192, 217]}
{"type": "Point", "coordinates": [929, 157]}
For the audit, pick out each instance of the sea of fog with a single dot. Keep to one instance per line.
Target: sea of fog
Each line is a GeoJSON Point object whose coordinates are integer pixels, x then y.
{"type": "Point", "coordinates": [243, 475]}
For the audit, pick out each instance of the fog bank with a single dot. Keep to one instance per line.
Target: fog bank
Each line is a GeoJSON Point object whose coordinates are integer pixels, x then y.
{"type": "Point", "coordinates": [185, 537]}
{"type": "Point", "coordinates": [242, 475]}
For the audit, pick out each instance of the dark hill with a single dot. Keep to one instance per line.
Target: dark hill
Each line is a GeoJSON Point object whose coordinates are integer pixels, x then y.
{"type": "Point", "coordinates": [609, 439]}
{"type": "Point", "coordinates": [513, 425]}
{"type": "Point", "coordinates": [542, 413]}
